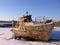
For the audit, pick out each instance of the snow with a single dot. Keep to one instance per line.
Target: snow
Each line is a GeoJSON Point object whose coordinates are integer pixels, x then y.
{"type": "Point", "coordinates": [57, 28]}
{"type": "Point", "coordinates": [6, 34]}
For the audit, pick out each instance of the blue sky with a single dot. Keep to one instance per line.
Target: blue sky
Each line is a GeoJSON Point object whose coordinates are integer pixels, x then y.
{"type": "Point", "coordinates": [12, 9]}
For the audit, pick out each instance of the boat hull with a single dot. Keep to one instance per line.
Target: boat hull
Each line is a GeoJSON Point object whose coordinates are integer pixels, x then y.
{"type": "Point", "coordinates": [39, 32]}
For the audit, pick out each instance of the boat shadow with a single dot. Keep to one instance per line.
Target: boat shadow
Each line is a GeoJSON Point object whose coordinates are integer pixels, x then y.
{"type": "Point", "coordinates": [55, 36]}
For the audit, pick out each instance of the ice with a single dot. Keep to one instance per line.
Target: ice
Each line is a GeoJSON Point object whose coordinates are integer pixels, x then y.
{"type": "Point", "coordinates": [6, 35]}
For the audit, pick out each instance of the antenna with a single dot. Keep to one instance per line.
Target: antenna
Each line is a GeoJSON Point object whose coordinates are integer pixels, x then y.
{"type": "Point", "coordinates": [26, 12]}
{"type": "Point", "coordinates": [44, 19]}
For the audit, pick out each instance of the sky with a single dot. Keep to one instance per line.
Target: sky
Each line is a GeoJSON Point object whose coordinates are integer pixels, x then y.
{"type": "Point", "coordinates": [13, 9]}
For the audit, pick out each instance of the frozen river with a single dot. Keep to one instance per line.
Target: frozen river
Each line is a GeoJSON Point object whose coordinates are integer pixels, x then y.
{"type": "Point", "coordinates": [6, 34]}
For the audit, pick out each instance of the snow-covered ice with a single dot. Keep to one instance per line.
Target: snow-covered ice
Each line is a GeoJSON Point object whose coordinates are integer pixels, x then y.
{"type": "Point", "coordinates": [6, 34]}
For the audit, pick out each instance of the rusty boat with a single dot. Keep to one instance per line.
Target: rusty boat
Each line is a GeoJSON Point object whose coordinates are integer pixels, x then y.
{"type": "Point", "coordinates": [27, 28]}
